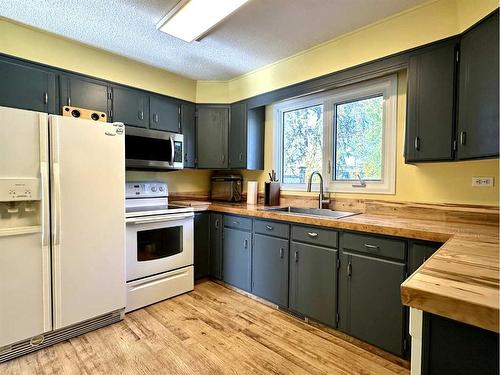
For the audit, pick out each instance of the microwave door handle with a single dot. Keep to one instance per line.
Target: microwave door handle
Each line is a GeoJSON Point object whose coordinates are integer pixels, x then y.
{"type": "Point", "coordinates": [172, 156]}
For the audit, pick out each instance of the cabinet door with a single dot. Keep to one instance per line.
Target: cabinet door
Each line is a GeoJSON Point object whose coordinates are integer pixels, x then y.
{"type": "Point", "coordinates": [130, 107]}
{"type": "Point", "coordinates": [211, 137]}
{"type": "Point", "coordinates": [313, 282]}
{"type": "Point", "coordinates": [201, 245]}
{"type": "Point", "coordinates": [84, 93]}
{"type": "Point", "coordinates": [238, 136]}
{"type": "Point", "coordinates": [370, 302]}
{"type": "Point", "coordinates": [216, 245]}
{"type": "Point", "coordinates": [236, 250]}
{"type": "Point", "coordinates": [430, 103]}
{"type": "Point", "coordinates": [26, 87]}
{"type": "Point", "coordinates": [478, 91]}
{"type": "Point", "coordinates": [418, 253]}
{"type": "Point", "coordinates": [164, 114]}
{"type": "Point", "coordinates": [270, 269]}
{"type": "Point", "coordinates": [188, 131]}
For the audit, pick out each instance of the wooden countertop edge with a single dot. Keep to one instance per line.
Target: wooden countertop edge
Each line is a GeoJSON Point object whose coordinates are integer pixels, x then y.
{"type": "Point", "coordinates": [479, 315]}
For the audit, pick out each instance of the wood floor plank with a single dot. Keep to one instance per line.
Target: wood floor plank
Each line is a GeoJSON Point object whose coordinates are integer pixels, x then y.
{"type": "Point", "coordinates": [211, 330]}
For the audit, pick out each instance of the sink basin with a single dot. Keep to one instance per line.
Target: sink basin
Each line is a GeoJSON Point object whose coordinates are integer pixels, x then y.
{"type": "Point", "coordinates": [324, 212]}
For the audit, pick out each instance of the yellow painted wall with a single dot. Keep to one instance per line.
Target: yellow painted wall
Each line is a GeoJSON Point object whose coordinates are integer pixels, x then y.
{"type": "Point", "coordinates": [46, 48]}
{"type": "Point", "coordinates": [435, 182]}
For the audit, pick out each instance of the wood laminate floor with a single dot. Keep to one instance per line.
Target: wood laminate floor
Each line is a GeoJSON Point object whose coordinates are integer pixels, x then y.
{"type": "Point", "coordinates": [211, 330]}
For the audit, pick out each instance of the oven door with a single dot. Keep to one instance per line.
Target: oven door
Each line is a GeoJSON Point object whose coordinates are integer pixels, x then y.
{"type": "Point", "coordinates": [157, 244]}
{"type": "Point", "coordinates": [153, 149]}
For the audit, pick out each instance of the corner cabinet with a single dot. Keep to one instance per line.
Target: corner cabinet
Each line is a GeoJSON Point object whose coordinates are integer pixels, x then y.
{"type": "Point", "coordinates": [478, 91]}
{"type": "Point", "coordinates": [216, 245]}
{"type": "Point", "coordinates": [212, 132]}
{"type": "Point", "coordinates": [371, 272]}
{"type": "Point", "coordinates": [246, 137]}
{"type": "Point", "coordinates": [26, 87]}
{"type": "Point", "coordinates": [431, 103]}
{"type": "Point", "coordinates": [188, 111]}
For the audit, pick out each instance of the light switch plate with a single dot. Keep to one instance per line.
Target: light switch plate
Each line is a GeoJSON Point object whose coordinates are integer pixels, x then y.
{"type": "Point", "coordinates": [482, 181]}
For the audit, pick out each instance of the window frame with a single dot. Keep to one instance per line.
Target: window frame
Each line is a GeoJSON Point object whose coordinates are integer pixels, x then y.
{"type": "Point", "coordinates": [385, 86]}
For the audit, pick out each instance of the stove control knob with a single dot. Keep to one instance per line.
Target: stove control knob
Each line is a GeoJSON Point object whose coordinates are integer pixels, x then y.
{"type": "Point", "coordinates": [153, 188]}
{"type": "Point", "coordinates": [161, 188]}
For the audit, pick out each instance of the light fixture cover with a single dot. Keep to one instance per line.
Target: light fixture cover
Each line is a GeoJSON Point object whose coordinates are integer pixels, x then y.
{"type": "Point", "coordinates": [193, 18]}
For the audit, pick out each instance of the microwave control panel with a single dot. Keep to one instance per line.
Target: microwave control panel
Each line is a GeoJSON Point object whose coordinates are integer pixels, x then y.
{"type": "Point", "coordinates": [19, 189]}
{"type": "Point", "coordinates": [150, 189]}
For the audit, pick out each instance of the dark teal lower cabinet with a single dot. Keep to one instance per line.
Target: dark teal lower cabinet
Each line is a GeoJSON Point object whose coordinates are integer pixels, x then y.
{"type": "Point", "coordinates": [270, 269]}
{"type": "Point", "coordinates": [419, 252]}
{"type": "Point", "coordinates": [236, 258]}
{"type": "Point", "coordinates": [370, 302]}
{"type": "Point", "coordinates": [216, 245]}
{"type": "Point", "coordinates": [313, 282]}
{"type": "Point", "coordinates": [201, 245]}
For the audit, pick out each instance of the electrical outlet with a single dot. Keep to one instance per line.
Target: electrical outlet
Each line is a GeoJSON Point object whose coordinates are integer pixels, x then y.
{"type": "Point", "coordinates": [482, 181]}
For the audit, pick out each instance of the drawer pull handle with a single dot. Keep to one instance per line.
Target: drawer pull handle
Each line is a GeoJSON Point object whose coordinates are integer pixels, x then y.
{"type": "Point", "coordinates": [245, 243]}
{"type": "Point", "coordinates": [269, 227]}
{"type": "Point", "coordinates": [282, 253]}
{"type": "Point", "coordinates": [372, 247]}
{"type": "Point", "coordinates": [312, 234]}
{"type": "Point", "coordinates": [235, 222]}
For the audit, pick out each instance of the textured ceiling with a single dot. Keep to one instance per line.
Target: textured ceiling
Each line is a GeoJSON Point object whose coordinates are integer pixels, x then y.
{"type": "Point", "coordinates": [259, 33]}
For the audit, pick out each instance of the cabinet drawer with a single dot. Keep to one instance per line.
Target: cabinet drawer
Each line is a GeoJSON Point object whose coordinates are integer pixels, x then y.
{"type": "Point", "coordinates": [385, 247]}
{"type": "Point", "coordinates": [238, 222]}
{"type": "Point", "coordinates": [315, 236]}
{"type": "Point", "coordinates": [272, 228]}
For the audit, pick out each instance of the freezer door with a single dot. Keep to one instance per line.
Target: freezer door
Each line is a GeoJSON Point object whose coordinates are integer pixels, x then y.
{"type": "Point", "coordinates": [88, 219]}
{"type": "Point", "coordinates": [25, 295]}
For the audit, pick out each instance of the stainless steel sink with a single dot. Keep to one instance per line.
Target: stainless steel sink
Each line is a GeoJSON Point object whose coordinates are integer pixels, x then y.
{"type": "Point", "coordinates": [311, 212]}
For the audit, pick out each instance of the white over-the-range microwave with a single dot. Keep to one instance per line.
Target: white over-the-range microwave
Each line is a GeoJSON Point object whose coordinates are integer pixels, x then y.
{"type": "Point", "coordinates": [153, 149]}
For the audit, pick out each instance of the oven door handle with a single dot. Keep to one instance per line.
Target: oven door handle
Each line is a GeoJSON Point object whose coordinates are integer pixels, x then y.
{"type": "Point", "coordinates": [159, 218]}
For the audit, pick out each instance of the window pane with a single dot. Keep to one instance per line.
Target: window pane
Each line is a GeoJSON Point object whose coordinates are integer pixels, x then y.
{"type": "Point", "coordinates": [302, 143]}
{"type": "Point", "coordinates": [359, 129]}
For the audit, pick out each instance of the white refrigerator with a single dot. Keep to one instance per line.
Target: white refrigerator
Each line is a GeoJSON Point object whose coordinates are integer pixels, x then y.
{"type": "Point", "coordinates": [62, 228]}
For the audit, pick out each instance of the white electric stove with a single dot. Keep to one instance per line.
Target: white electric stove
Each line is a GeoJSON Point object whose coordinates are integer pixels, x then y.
{"type": "Point", "coordinates": [159, 245]}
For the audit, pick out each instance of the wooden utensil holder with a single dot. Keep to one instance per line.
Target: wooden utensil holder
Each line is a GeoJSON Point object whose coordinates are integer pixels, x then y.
{"type": "Point", "coordinates": [272, 193]}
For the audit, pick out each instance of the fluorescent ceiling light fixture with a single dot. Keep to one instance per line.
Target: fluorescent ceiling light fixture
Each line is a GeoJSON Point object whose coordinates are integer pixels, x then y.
{"type": "Point", "coordinates": [191, 19]}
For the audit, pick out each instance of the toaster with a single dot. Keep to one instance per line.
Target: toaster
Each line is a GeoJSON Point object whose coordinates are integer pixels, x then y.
{"type": "Point", "coordinates": [227, 188]}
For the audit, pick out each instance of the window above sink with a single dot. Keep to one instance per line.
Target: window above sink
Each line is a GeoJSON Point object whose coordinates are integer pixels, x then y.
{"type": "Point", "coordinates": [348, 134]}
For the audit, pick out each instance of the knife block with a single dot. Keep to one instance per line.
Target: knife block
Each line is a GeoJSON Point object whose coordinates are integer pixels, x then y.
{"type": "Point", "coordinates": [272, 193]}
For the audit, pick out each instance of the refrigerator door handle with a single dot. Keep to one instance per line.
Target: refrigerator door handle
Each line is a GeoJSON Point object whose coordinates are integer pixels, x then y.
{"type": "Point", "coordinates": [44, 172]}
{"type": "Point", "coordinates": [56, 180]}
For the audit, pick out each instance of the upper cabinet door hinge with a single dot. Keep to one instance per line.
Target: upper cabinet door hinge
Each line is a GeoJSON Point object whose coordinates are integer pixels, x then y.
{"type": "Point", "coordinates": [110, 95]}
{"type": "Point", "coordinates": [110, 113]}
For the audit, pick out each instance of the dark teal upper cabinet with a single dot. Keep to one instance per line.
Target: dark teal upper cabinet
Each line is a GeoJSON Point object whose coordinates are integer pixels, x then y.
{"type": "Point", "coordinates": [431, 103]}
{"type": "Point", "coordinates": [212, 131]}
{"type": "Point", "coordinates": [188, 131]}
{"type": "Point", "coordinates": [26, 87]}
{"type": "Point", "coordinates": [478, 91]}
{"type": "Point", "coordinates": [86, 93]}
{"type": "Point", "coordinates": [130, 106]}
{"type": "Point", "coordinates": [165, 114]}
{"type": "Point", "coordinates": [246, 137]}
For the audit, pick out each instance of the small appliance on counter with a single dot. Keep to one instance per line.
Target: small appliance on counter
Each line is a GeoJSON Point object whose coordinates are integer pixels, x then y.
{"type": "Point", "coordinates": [227, 188]}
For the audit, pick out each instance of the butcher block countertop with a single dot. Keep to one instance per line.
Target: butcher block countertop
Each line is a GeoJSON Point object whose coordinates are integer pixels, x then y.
{"type": "Point", "coordinates": [460, 281]}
